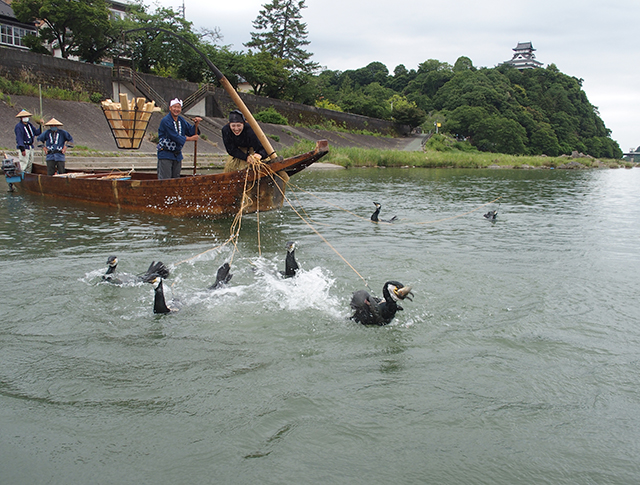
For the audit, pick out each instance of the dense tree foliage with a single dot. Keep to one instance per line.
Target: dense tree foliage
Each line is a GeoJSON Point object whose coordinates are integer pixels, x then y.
{"type": "Point", "coordinates": [76, 28]}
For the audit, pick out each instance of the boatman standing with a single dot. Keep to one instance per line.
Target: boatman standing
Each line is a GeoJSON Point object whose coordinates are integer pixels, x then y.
{"type": "Point", "coordinates": [25, 138]}
{"type": "Point", "coordinates": [241, 143]}
{"type": "Point", "coordinates": [55, 141]}
{"type": "Point", "coordinates": [173, 133]}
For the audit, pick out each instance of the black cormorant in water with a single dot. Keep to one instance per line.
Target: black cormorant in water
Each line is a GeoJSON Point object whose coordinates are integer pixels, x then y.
{"type": "Point", "coordinates": [110, 276]}
{"type": "Point", "coordinates": [491, 215]}
{"type": "Point", "coordinates": [222, 277]}
{"type": "Point", "coordinates": [370, 310]}
{"type": "Point", "coordinates": [159, 303]}
{"type": "Point", "coordinates": [290, 265]}
{"type": "Point", "coordinates": [374, 216]}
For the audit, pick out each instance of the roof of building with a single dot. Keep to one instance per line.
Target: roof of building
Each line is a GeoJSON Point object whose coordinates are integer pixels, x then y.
{"type": "Point", "coordinates": [6, 10]}
{"type": "Point", "coordinates": [524, 46]}
{"type": "Point", "coordinates": [119, 5]}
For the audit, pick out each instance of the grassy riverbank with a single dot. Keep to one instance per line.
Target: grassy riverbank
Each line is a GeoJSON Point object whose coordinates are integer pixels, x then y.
{"type": "Point", "coordinates": [362, 157]}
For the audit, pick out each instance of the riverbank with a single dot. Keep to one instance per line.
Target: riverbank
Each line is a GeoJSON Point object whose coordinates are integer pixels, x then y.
{"type": "Point", "coordinates": [351, 157]}
{"type": "Point", "coordinates": [95, 147]}
{"type": "Point", "coordinates": [345, 157]}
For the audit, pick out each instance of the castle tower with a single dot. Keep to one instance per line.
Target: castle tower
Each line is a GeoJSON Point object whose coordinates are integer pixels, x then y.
{"type": "Point", "coordinates": [524, 58]}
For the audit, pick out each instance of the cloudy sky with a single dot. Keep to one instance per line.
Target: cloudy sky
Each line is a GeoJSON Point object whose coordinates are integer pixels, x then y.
{"type": "Point", "coordinates": [594, 40]}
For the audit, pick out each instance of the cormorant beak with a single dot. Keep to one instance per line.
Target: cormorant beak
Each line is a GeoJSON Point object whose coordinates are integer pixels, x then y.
{"type": "Point", "coordinates": [403, 293]}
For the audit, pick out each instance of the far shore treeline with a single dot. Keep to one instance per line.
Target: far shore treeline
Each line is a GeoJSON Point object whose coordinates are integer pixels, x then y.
{"type": "Point", "coordinates": [501, 110]}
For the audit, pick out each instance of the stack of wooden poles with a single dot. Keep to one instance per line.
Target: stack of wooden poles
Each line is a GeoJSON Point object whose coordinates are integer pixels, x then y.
{"type": "Point", "coordinates": [128, 120]}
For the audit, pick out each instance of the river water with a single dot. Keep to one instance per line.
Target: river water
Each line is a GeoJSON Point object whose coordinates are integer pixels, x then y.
{"type": "Point", "coordinates": [518, 360]}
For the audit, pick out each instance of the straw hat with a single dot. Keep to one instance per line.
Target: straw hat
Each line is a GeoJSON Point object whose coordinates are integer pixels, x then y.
{"type": "Point", "coordinates": [53, 122]}
{"type": "Point", "coordinates": [23, 113]}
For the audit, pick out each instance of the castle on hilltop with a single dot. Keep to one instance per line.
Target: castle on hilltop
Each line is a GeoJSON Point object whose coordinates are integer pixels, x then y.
{"type": "Point", "coordinates": [524, 58]}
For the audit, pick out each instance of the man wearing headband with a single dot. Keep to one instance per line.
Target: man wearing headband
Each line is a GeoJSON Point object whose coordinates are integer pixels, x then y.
{"type": "Point", "coordinates": [173, 133]}
{"type": "Point", "coordinates": [25, 137]}
{"type": "Point", "coordinates": [241, 143]}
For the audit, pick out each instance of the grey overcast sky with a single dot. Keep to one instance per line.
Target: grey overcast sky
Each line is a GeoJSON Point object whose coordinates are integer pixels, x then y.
{"type": "Point", "coordinates": [592, 40]}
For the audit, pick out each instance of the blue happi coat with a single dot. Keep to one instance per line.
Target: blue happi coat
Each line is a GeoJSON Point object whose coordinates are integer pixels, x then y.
{"type": "Point", "coordinates": [172, 136]}
{"type": "Point", "coordinates": [54, 143]}
{"type": "Point", "coordinates": [26, 135]}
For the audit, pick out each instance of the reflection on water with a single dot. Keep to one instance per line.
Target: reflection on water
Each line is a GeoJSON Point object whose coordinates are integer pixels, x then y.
{"type": "Point", "coordinates": [515, 363]}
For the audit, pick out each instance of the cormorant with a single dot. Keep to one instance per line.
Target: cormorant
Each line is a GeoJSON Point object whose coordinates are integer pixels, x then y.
{"type": "Point", "coordinates": [290, 265]}
{"type": "Point", "coordinates": [110, 276]}
{"type": "Point", "coordinates": [222, 277]}
{"type": "Point", "coordinates": [159, 303]}
{"type": "Point", "coordinates": [374, 216]}
{"type": "Point", "coordinates": [370, 310]}
{"type": "Point", "coordinates": [491, 215]}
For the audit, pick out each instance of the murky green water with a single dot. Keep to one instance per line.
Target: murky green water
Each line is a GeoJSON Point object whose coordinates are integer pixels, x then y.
{"type": "Point", "coordinates": [517, 361]}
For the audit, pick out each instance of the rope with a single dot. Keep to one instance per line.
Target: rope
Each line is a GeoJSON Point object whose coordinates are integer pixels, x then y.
{"type": "Point", "coordinates": [258, 218]}
{"type": "Point", "coordinates": [316, 231]}
{"type": "Point", "coordinates": [234, 230]}
{"type": "Point", "coordinates": [254, 167]}
{"type": "Point", "coordinates": [203, 252]}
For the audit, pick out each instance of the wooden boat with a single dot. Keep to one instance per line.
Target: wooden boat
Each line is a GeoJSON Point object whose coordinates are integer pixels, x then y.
{"type": "Point", "coordinates": [215, 196]}
{"type": "Point", "coordinates": [207, 195]}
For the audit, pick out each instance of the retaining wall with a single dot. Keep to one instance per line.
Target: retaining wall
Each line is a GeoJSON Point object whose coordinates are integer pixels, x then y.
{"type": "Point", "coordinates": [19, 65]}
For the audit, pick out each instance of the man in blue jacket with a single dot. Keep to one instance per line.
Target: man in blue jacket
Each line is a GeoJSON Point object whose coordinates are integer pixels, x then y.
{"type": "Point", "coordinates": [55, 141]}
{"type": "Point", "coordinates": [173, 133]}
{"type": "Point", "coordinates": [25, 138]}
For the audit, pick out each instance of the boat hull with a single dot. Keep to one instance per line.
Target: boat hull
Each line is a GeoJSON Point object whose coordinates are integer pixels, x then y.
{"type": "Point", "coordinates": [214, 195]}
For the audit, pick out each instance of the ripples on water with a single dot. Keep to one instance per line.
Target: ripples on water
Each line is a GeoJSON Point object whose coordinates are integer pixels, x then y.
{"type": "Point", "coordinates": [515, 363]}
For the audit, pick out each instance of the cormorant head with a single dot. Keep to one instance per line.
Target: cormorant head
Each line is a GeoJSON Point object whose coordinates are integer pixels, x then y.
{"type": "Point", "coordinates": [152, 278]}
{"type": "Point", "coordinates": [112, 262]}
{"type": "Point", "coordinates": [377, 205]}
{"type": "Point", "coordinates": [290, 246]}
{"type": "Point", "coordinates": [397, 291]}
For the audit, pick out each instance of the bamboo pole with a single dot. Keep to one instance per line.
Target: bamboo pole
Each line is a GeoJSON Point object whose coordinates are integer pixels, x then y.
{"type": "Point", "coordinates": [195, 149]}
{"type": "Point", "coordinates": [227, 87]}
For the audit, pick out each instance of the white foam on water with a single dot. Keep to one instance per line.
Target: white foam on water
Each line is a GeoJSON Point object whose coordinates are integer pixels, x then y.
{"type": "Point", "coordinates": [308, 289]}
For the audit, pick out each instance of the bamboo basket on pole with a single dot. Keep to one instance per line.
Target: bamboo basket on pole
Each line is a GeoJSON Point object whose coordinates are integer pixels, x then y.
{"type": "Point", "coordinates": [128, 120]}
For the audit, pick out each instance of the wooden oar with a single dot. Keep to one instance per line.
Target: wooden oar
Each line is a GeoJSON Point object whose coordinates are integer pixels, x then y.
{"type": "Point", "coordinates": [271, 153]}
{"type": "Point", "coordinates": [195, 150]}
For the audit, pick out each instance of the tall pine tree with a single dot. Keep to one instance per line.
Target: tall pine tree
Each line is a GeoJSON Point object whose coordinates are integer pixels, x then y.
{"type": "Point", "coordinates": [282, 34]}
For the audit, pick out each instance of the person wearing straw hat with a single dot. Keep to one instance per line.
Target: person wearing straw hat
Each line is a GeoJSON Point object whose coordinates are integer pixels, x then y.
{"type": "Point", "coordinates": [55, 141]}
{"type": "Point", "coordinates": [241, 143]}
{"type": "Point", "coordinates": [174, 131]}
{"type": "Point", "coordinates": [25, 138]}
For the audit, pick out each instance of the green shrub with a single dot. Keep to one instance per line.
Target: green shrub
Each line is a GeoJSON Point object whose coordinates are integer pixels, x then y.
{"type": "Point", "coordinates": [270, 115]}
{"type": "Point", "coordinates": [96, 97]}
{"type": "Point", "coordinates": [274, 137]}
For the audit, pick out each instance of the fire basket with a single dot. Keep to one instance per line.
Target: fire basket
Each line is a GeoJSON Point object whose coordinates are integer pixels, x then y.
{"type": "Point", "coordinates": [128, 120]}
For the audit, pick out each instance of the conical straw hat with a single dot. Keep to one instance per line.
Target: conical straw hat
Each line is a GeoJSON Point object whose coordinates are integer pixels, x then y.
{"type": "Point", "coordinates": [23, 113]}
{"type": "Point", "coordinates": [53, 122]}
